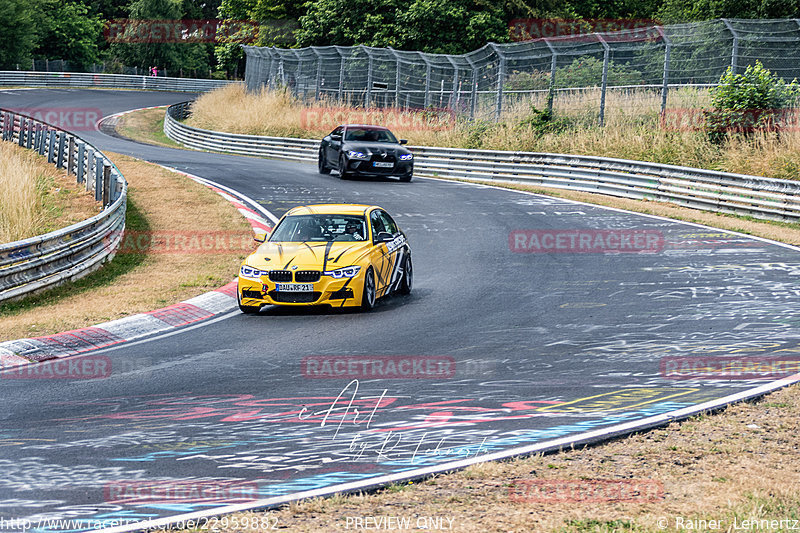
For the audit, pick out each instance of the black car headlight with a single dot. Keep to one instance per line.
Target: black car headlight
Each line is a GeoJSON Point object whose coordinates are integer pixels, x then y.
{"type": "Point", "coordinates": [354, 154]}
{"type": "Point", "coordinates": [406, 157]}
{"type": "Point", "coordinates": [251, 273]}
{"type": "Point", "coordinates": [346, 272]}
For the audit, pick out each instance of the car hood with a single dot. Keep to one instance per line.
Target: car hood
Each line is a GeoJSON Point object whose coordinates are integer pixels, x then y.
{"type": "Point", "coordinates": [367, 147]}
{"type": "Point", "coordinates": [308, 255]}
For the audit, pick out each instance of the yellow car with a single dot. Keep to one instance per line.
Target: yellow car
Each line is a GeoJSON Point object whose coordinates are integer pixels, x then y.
{"type": "Point", "coordinates": [342, 255]}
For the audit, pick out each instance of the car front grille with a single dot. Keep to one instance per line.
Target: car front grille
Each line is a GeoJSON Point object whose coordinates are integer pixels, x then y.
{"type": "Point", "coordinates": [294, 297]}
{"type": "Point", "coordinates": [280, 275]}
{"type": "Point", "coordinates": [307, 276]}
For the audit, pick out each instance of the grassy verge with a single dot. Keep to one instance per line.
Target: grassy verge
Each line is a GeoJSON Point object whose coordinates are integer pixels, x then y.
{"type": "Point", "coordinates": [146, 126]}
{"type": "Point", "coordinates": [35, 197]}
{"type": "Point", "coordinates": [633, 129]}
{"type": "Point", "coordinates": [161, 205]}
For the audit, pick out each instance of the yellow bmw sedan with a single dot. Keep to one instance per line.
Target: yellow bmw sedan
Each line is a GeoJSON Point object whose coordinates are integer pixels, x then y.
{"type": "Point", "coordinates": [342, 255]}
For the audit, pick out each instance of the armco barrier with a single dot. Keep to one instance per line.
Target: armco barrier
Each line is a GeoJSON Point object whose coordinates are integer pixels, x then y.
{"type": "Point", "coordinates": [17, 78]}
{"type": "Point", "coordinates": [47, 260]}
{"type": "Point", "coordinates": [721, 192]}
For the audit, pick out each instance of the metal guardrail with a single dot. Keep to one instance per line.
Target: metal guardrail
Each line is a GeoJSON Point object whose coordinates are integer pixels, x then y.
{"type": "Point", "coordinates": [16, 78]}
{"type": "Point", "coordinates": [44, 261]}
{"type": "Point", "coordinates": [709, 190]}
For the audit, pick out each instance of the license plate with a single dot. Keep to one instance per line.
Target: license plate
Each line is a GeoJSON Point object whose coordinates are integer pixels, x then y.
{"type": "Point", "coordinates": [381, 164]}
{"type": "Point", "coordinates": [294, 287]}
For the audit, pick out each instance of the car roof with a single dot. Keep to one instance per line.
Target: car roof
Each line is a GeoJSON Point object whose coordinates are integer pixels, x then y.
{"type": "Point", "coordinates": [332, 209]}
{"type": "Point", "coordinates": [365, 126]}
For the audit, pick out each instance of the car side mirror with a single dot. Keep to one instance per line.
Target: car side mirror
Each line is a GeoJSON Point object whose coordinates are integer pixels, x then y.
{"type": "Point", "coordinates": [384, 237]}
{"type": "Point", "coordinates": [336, 138]}
{"type": "Point", "coordinates": [327, 138]}
{"type": "Point", "coordinates": [403, 141]}
{"type": "Point", "coordinates": [260, 234]}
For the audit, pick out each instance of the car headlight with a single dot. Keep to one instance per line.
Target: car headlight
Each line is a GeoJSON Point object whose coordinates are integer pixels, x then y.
{"type": "Point", "coordinates": [406, 157]}
{"type": "Point", "coordinates": [346, 272]}
{"type": "Point", "coordinates": [251, 273]}
{"type": "Point", "coordinates": [353, 154]}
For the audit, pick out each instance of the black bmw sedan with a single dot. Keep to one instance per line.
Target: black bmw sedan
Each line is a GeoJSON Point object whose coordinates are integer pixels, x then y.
{"type": "Point", "coordinates": [356, 149]}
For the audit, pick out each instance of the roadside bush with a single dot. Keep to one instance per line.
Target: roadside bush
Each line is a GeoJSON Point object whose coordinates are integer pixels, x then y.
{"type": "Point", "coordinates": [756, 100]}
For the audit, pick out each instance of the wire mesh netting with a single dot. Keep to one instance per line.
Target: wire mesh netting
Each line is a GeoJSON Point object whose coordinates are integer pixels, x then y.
{"type": "Point", "coordinates": [640, 71]}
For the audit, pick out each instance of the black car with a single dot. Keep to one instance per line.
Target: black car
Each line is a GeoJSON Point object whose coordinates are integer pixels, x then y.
{"type": "Point", "coordinates": [357, 149]}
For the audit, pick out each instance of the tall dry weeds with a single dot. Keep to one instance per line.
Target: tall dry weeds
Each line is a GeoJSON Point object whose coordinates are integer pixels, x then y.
{"type": "Point", "coordinates": [632, 130]}
{"type": "Point", "coordinates": [20, 194]}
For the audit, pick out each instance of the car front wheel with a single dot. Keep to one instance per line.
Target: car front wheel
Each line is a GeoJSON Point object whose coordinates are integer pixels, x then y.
{"type": "Point", "coordinates": [247, 309]}
{"type": "Point", "coordinates": [368, 295]}
{"type": "Point", "coordinates": [342, 166]}
{"type": "Point", "coordinates": [322, 164]}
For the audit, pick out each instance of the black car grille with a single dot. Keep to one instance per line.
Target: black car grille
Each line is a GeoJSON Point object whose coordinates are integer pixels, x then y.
{"type": "Point", "coordinates": [280, 275]}
{"type": "Point", "coordinates": [247, 293]}
{"type": "Point", "coordinates": [342, 294]}
{"type": "Point", "coordinates": [307, 276]}
{"type": "Point", "coordinates": [294, 297]}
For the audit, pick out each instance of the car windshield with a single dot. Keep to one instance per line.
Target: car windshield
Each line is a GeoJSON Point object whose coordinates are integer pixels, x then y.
{"type": "Point", "coordinates": [372, 135]}
{"type": "Point", "coordinates": [320, 228]}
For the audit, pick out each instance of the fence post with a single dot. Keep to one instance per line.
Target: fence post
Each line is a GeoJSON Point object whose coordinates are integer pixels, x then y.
{"type": "Point", "coordinates": [80, 170]}
{"type": "Point", "coordinates": [665, 85]}
{"type": "Point", "coordinates": [98, 178]}
{"type": "Point", "coordinates": [551, 89]}
{"type": "Point", "coordinates": [735, 48]}
{"type": "Point", "coordinates": [32, 125]}
{"type": "Point", "coordinates": [297, 73]}
{"type": "Point", "coordinates": [106, 185]}
{"type": "Point", "coordinates": [88, 177]}
{"type": "Point", "coordinates": [501, 74]}
{"type": "Point", "coordinates": [22, 124]}
{"type": "Point", "coordinates": [396, 77]}
{"type": "Point", "coordinates": [474, 89]}
{"type": "Point", "coordinates": [368, 97]}
{"type": "Point", "coordinates": [604, 82]}
{"type": "Point", "coordinates": [319, 73]}
{"type": "Point", "coordinates": [341, 74]}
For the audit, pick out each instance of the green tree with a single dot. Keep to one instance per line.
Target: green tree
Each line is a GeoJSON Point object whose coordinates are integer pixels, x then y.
{"type": "Point", "coordinates": [17, 36]}
{"type": "Point", "coordinates": [673, 11]}
{"type": "Point", "coordinates": [66, 30]}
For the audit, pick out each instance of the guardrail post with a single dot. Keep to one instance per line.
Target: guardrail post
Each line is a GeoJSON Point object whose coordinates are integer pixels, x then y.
{"type": "Point", "coordinates": [106, 185]}
{"type": "Point", "coordinates": [88, 178]}
{"type": "Point", "coordinates": [79, 171]}
{"type": "Point", "coordinates": [32, 125]}
{"type": "Point", "coordinates": [6, 120]}
{"type": "Point", "coordinates": [604, 81]}
{"type": "Point", "coordinates": [98, 178]}
{"type": "Point", "coordinates": [735, 47]}
{"type": "Point", "coordinates": [71, 155]}
{"type": "Point", "coordinates": [61, 141]}
{"type": "Point", "coordinates": [51, 147]}
{"type": "Point", "coordinates": [22, 123]}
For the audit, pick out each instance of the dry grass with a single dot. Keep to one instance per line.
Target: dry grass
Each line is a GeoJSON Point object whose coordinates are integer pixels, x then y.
{"type": "Point", "coordinates": [632, 129]}
{"type": "Point", "coordinates": [167, 203]}
{"type": "Point", "coordinates": [35, 197]}
{"type": "Point", "coordinates": [146, 126]}
{"type": "Point", "coordinates": [740, 464]}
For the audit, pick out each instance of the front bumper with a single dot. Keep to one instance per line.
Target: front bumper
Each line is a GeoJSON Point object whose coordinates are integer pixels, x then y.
{"type": "Point", "coordinates": [364, 167]}
{"type": "Point", "coordinates": [343, 292]}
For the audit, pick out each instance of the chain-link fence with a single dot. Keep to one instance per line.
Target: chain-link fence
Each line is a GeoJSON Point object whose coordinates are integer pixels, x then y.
{"type": "Point", "coordinates": [603, 76]}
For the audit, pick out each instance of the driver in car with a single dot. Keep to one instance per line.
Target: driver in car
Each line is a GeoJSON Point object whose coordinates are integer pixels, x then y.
{"type": "Point", "coordinates": [354, 230]}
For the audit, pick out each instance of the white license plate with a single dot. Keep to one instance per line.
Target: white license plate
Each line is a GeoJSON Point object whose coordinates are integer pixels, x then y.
{"type": "Point", "coordinates": [294, 287]}
{"type": "Point", "coordinates": [381, 164]}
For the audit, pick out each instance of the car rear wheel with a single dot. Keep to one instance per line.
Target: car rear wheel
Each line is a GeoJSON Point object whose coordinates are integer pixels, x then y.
{"type": "Point", "coordinates": [368, 295]}
{"type": "Point", "coordinates": [343, 165]}
{"type": "Point", "coordinates": [408, 277]}
{"type": "Point", "coordinates": [322, 164]}
{"type": "Point", "coordinates": [247, 309]}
